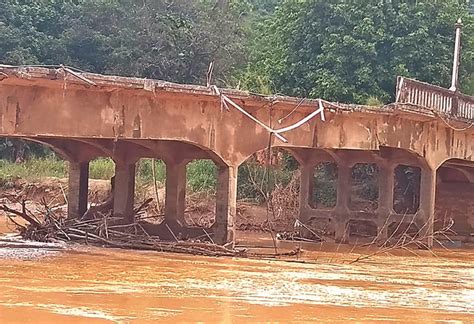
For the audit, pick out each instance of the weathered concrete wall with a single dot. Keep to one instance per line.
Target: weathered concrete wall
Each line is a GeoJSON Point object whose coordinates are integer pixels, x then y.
{"type": "Point", "coordinates": [31, 107]}
{"type": "Point", "coordinates": [456, 201]}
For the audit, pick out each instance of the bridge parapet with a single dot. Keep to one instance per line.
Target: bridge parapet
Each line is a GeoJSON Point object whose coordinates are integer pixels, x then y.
{"type": "Point", "coordinates": [435, 99]}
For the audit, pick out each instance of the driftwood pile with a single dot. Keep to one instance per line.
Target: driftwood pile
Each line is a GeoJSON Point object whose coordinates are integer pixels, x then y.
{"type": "Point", "coordinates": [107, 231]}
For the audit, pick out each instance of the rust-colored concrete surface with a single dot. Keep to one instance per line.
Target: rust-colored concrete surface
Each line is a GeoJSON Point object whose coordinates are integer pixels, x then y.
{"type": "Point", "coordinates": [51, 104]}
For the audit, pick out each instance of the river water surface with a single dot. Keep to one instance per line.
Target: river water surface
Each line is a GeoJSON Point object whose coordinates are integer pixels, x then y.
{"type": "Point", "coordinates": [88, 285]}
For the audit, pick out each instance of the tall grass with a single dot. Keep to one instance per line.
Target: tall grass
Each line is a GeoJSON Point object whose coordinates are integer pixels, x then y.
{"type": "Point", "coordinates": [201, 174]}
{"type": "Point", "coordinates": [33, 169]}
{"type": "Point", "coordinates": [256, 181]}
{"type": "Point", "coordinates": [101, 168]}
{"type": "Point", "coordinates": [145, 171]}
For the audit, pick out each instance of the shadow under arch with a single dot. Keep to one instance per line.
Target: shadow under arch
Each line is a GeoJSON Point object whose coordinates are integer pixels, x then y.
{"type": "Point", "coordinates": [449, 173]}
{"type": "Point", "coordinates": [465, 166]}
{"type": "Point", "coordinates": [302, 154]}
{"type": "Point", "coordinates": [268, 190]}
{"type": "Point", "coordinates": [58, 149]}
{"type": "Point", "coordinates": [403, 156]}
{"type": "Point", "coordinates": [453, 202]}
{"type": "Point", "coordinates": [176, 150]}
{"type": "Point", "coordinates": [70, 149]}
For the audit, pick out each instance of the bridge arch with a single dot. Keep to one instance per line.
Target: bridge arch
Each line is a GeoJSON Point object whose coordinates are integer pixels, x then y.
{"type": "Point", "coordinates": [58, 149]}
{"type": "Point", "coordinates": [176, 155]}
{"type": "Point", "coordinates": [454, 192]}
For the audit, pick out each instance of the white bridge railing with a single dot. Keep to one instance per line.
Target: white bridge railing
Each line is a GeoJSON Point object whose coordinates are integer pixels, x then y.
{"type": "Point", "coordinates": [440, 100]}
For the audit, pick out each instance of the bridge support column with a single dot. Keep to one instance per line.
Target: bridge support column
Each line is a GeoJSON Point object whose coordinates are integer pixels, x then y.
{"type": "Point", "coordinates": [175, 201]}
{"type": "Point", "coordinates": [426, 212]}
{"type": "Point", "coordinates": [386, 183]}
{"type": "Point", "coordinates": [124, 190]}
{"type": "Point", "coordinates": [342, 210]}
{"type": "Point", "coordinates": [226, 205]}
{"type": "Point", "coordinates": [78, 187]}
{"type": "Point", "coordinates": [306, 187]}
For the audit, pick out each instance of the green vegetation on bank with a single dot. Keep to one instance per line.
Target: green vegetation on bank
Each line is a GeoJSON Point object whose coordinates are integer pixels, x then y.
{"type": "Point", "coordinates": [50, 166]}
{"type": "Point", "coordinates": [201, 174]}
{"type": "Point", "coordinates": [352, 51]}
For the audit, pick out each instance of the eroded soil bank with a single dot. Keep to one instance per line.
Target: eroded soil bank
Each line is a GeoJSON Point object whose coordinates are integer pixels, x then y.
{"type": "Point", "coordinates": [200, 208]}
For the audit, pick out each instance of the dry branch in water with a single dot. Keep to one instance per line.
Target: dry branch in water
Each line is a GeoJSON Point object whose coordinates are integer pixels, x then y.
{"type": "Point", "coordinates": [407, 240]}
{"type": "Point", "coordinates": [108, 231]}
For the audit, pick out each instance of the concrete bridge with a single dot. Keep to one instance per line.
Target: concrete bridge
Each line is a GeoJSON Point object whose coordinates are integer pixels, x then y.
{"type": "Point", "coordinates": [83, 116]}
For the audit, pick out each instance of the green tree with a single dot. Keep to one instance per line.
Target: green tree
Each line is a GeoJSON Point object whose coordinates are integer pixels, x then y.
{"type": "Point", "coordinates": [170, 40]}
{"type": "Point", "coordinates": [353, 50]}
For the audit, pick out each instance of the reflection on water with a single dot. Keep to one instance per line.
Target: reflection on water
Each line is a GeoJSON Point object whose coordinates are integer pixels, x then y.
{"type": "Point", "coordinates": [103, 285]}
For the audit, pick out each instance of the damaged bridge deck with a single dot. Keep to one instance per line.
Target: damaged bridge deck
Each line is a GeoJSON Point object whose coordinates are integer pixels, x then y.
{"type": "Point", "coordinates": [83, 116]}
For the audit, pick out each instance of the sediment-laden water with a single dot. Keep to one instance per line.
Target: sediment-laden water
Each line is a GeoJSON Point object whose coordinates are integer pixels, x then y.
{"type": "Point", "coordinates": [87, 285]}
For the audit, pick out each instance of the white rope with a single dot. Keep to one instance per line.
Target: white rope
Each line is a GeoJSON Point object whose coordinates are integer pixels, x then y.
{"type": "Point", "coordinates": [277, 132]}
{"type": "Point", "coordinates": [78, 76]}
{"type": "Point", "coordinates": [304, 120]}
{"type": "Point", "coordinates": [243, 111]}
{"type": "Point", "coordinates": [216, 91]}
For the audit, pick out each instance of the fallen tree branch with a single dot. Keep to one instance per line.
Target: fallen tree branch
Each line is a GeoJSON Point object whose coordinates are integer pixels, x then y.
{"type": "Point", "coordinates": [107, 231]}
{"type": "Point", "coordinates": [21, 214]}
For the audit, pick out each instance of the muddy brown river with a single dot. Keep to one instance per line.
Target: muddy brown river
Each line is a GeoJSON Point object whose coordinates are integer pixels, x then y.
{"type": "Point", "coordinates": [88, 285]}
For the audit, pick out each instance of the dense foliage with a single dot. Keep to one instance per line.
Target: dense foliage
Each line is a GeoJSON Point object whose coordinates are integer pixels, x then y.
{"type": "Point", "coordinates": [353, 50]}
{"type": "Point", "coordinates": [161, 39]}
{"type": "Point", "coordinates": [171, 40]}
{"type": "Point", "coordinates": [338, 49]}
